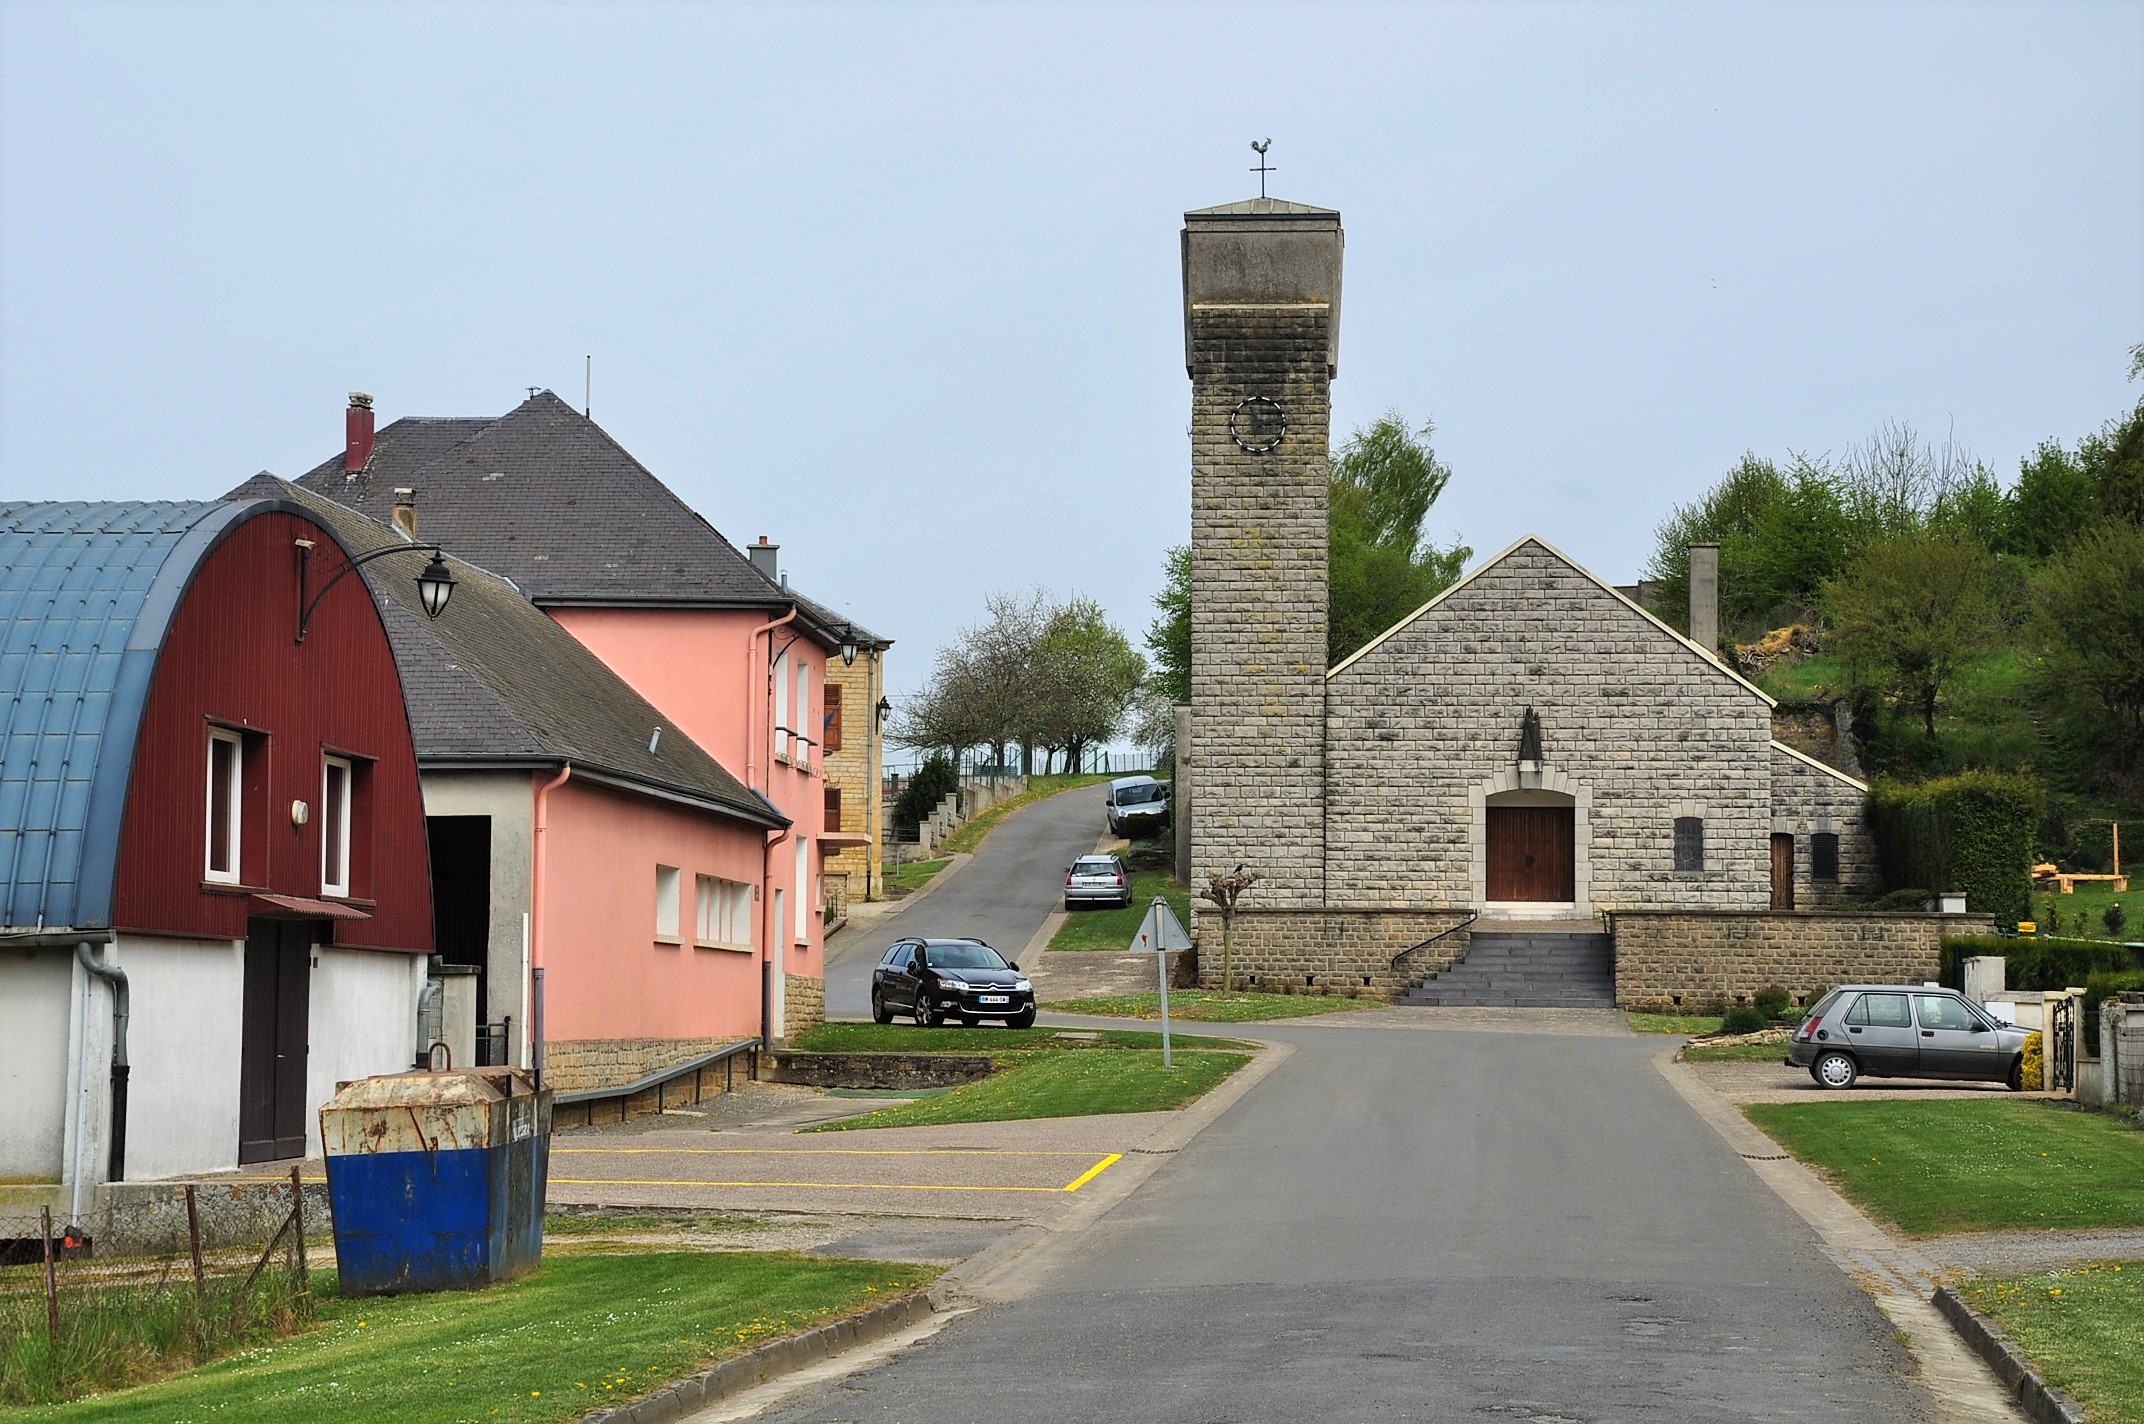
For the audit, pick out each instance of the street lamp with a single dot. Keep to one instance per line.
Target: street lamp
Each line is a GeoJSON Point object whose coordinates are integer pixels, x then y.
{"type": "Point", "coordinates": [434, 586]}
{"type": "Point", "coordinates": [848, 645]}
{"type": "Point", "coordinates": [884, 710]}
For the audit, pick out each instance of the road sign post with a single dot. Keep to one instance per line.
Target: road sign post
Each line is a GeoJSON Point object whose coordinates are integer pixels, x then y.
{"type": "Point", "coordinates": [1161, 934]}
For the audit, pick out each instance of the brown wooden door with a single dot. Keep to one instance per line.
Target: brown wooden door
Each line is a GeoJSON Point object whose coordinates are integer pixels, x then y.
{"type": "Point", "coordinates": [1530, 853]}
{"type": "Point", "coordinates": [275, 1022]}
{"type": "Point", "coordinates": [1782, 872]}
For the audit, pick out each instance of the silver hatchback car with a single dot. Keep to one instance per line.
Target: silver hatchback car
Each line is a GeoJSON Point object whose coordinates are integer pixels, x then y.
{"type": "Point", "coordinates": [1097, 880]}
{"type": "Point", "coordinates": [1898, 1031]}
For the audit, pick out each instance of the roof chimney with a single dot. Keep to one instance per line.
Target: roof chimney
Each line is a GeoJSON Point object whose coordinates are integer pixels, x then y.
{"type": "Point", "coordinates": [357, 426]}
{"type": "Point", "coordinates": [763, 556]}
{"type": "Point", "coordinates": [405, 515]}
{"type": "Point", "coordinates": [1705, 598]}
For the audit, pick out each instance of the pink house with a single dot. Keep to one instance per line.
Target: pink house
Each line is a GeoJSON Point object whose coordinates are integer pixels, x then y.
{"type": "Point", "coordinates": [543, 496]}
{"type": "Point", "coordinates": [577, 833]}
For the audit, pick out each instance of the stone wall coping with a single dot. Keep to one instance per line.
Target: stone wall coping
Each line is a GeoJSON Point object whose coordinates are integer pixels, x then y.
{"type": "Point", "coordinates": [1203, 907]}
{"type": "Point", "coordinates": [1964, 920]}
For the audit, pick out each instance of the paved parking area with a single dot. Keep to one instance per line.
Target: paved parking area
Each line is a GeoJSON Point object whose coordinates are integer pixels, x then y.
{"type": "Point", "coordinates": [1776, 1083]}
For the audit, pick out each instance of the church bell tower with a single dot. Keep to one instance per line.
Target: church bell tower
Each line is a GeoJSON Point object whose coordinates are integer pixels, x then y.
{"type": "Point", "coordinates": [1262, 344]}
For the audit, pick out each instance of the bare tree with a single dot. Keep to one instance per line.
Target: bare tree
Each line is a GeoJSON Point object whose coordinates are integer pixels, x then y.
{"type": "Point", "coordinates": [1223, 891]}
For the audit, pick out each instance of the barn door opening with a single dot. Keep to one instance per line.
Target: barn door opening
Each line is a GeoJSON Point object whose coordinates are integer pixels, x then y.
{"type": "Point", "coordinates": [1531, 853]}
{"type": "Point", "coordinates": [461, 896]}
{"type": "Point", "coordinates": [1782, 872]}
{"type": "Point", "coordinates": [274, 1026]}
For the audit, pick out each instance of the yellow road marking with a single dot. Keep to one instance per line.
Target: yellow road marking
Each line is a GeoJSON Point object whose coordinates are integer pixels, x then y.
{"type": "Point", "coordinates": [808, 1152]}
{"type": "Point", "coordinates": [1095, 1171]}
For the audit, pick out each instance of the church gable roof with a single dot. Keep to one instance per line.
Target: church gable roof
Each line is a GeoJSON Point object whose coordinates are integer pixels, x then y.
{"type": "Point", "coordinates": [1606, 590]}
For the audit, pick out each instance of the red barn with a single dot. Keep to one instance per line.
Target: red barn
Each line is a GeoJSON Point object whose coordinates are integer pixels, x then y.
{"type": "Point", "coordinates": [205, 819]}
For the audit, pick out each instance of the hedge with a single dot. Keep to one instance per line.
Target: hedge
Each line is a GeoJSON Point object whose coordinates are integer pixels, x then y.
{"type": "Point", "coordinates": [2035, 962]}
{"type": "Point", "coordinates": [1970, 833]}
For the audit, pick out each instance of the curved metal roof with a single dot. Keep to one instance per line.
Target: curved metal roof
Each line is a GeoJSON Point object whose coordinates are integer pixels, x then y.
{"type": "Point", "coordinates": [87, 594]}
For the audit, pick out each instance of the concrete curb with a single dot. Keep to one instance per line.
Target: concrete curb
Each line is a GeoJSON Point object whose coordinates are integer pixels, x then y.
{"type": "Point", "coordinates": [2042, 1403]}
{"type": "Point", "coordinates": [762, 1363]}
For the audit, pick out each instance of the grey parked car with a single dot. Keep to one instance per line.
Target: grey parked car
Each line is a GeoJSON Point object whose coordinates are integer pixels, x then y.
{"type": "Point", "coordinates": [1897, 1031]}
{"type": "Point", "coordinates": [1097, 880]}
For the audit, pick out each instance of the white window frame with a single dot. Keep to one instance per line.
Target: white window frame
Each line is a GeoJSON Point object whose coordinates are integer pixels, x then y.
{"type": "Point", "coordinates": [803, 925]}
{"type": "Point", "coordinates": [781, 706]}
{"type": "Point", "coordinates": [724, 919]}
{"type": "Point", "coordinates": [667, 885]}
{"type": "Point", "coordinates": [804, 723]}
{"type": "Point", "coordinates": [234, 791]}
{"type": "Point", "coordinates": [335, 828]}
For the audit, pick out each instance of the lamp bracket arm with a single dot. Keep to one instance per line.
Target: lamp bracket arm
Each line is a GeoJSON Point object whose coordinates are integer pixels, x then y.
{"type": "Point", "coordinates": [305, 613]}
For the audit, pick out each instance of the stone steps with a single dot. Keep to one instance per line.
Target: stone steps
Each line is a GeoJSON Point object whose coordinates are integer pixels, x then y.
{"type": "Point", "coordinates": [1525, 969]}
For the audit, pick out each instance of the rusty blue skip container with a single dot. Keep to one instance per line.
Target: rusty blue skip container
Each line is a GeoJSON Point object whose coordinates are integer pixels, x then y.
{"type": "Point", "coordinates": [437, 1179]}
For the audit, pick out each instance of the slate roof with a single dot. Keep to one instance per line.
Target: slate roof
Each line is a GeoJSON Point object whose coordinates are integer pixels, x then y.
{"type": "Point", "coordinates": [494, 681]}
{"type": "Point", "coordinates": [87, 594]}
{"type": "Point", "coordinates": [543, 495]}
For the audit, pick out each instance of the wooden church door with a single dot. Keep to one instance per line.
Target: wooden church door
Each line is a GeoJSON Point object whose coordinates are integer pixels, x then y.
{"type": "Point", "coordinates": [1530, 853]}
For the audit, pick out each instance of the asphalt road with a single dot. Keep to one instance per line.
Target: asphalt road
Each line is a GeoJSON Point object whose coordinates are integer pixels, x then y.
{"type": "Point", "coordinates": [1016, 879]}
{"type": "Point", "coordinates": [1406, 1224]}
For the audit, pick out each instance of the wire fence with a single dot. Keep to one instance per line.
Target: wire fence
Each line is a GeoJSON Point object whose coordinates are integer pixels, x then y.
{"type": "Point", "coordinates": [121, 1296]}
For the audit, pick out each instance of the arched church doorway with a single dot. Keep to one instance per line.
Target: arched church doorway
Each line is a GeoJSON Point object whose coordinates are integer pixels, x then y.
{"type": "Point", "coordinates": [1530, 839]}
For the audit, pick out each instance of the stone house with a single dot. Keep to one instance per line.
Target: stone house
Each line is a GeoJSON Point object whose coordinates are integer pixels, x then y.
{"type": "Point", "coordinates": [1529, 754]}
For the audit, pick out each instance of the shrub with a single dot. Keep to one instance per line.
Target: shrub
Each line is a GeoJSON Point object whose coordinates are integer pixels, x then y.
{"type": "Point", "coordinates": [2034, 1072]}
{"type": "Point", "coordinates": [1771, 1001]}
{"type": "Point", "coordinates": [2114, 919]}
{"type": "Point", "coordinates": [1972, 832]}
{"type": "Point", "coordinates": [2034, 962]}
{"type": "Point", "coordinates": [1903, 900]}
{"type": "Point", "coordinates": [1745, 1018]}
{"type": "Point", "coordinates": [2098, 988]}
{"type": "Point", "coordinates": [935, 780]}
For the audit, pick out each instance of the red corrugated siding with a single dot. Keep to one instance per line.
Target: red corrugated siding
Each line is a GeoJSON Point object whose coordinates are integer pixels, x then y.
{"type": "Point", "coordinates": [230, 658]}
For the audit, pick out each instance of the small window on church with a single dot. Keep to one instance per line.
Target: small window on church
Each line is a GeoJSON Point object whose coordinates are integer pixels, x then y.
{"type": "Point", "coordinates": [1824, 856]}
{"type": "Point", "coordinates": [1689, 843]}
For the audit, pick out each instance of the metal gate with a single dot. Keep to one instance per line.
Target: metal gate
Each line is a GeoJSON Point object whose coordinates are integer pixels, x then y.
{"type": "Point", "coordinates": [2062, 1045]}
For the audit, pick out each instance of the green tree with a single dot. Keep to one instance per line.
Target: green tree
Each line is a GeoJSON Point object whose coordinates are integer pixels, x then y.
{"type": "Point", "coordinates": [1911, 611]}
{"type": "Point", "coordinates": [1081, 680]}
{"type": "Point", "coordinates": [1168, 637]}
{"type": "Point", "coordinates": [1781, 535]}
{"type": "Point", "coordinates": [2087, 617]}
{"type": "Point", "coordinates": [2055, 498]}
{"type": "Point", "coordinates": [1380, 564]}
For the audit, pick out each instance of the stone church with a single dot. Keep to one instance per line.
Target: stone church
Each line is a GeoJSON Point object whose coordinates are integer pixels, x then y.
{"type": "Point", "coordinates": [1530, 790]}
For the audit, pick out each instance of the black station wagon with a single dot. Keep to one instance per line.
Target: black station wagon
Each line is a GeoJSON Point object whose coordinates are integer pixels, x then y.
{"type": "Point", "coordinates": [946, 981]}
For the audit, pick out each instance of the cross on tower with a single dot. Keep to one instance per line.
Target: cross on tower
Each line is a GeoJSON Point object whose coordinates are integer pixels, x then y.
{"type": "Point", "coordinates": [1259, 147]}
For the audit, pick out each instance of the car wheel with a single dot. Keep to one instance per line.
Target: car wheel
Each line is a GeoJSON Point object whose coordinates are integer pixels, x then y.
{"type": "Point", "coordinates": [1023, 1019]}
{"type": "Point", "coordinates": [1835, 1070]}
{"type": "Point", "coordinates": [879, 1012]}
{"type": "Point", "coordinates": [926, 1013]}
{"type": "Point", "coordinates": [2017, 1074]}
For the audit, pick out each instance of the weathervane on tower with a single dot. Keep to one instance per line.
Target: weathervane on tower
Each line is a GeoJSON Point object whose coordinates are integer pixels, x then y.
{"type": "Point", "coordinates": [1259, 147]}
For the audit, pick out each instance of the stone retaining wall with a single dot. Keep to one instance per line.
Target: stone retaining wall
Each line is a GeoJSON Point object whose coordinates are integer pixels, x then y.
{"type": "Point", "coordinates": [1346, 952]}
{"type": "Point", "coordinates": [874, 1070]}
{"type": "Point", "coordinates": [1705, 961]}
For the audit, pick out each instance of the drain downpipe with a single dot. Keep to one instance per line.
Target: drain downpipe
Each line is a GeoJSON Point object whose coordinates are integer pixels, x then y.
{"type": "Point", "coordinates": [122, 1010]}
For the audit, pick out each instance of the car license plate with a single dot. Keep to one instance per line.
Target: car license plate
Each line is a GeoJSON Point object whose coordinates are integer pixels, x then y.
{"type": "Point", "coordinates": [994, 999]}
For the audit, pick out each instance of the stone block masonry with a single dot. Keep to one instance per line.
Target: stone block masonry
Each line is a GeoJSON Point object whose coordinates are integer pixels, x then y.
{"type": "Point", "coordinates": [570, 1065]}
{"type": "Point", "coordinates": [1258, 597]}
{"type": "Point", "coordinates": [1694, 961]}
{"type": "Point", "coordinates": [1357, 953]}
{"type": "Point", "coordinates": [803, 1005]}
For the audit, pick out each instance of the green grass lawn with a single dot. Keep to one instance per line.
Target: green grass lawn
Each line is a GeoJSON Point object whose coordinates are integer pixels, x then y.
{"type": "Point", "coordinates": [583, 1331]}
{"type": "Point", "coordinates": [2083, 1327]}
{"type": "Point", "coordinates": [1210, 1006]}
{"type": "Point", "coordinates": [1735, 1053]}
{"type": "Point", "coordinates": [1969, 1165]}
{"type": "Point", "coordinates": [998, 1042]}
{"type": "Point", "coordinates": [915, 874]}
{"type": "Point", "coordinates": [1673, 1023]}
{"type": "Point", "coordinates": [1093, 928]}
{"type": "Point", "coordinates": [1064, 1085]}
{"type": "Point", "coordinates": [970, 835]}
{"type": "Point", "coordinates": [2083, 910]}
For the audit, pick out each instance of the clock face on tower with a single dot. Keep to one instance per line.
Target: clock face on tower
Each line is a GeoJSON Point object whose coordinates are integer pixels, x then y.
{"type": "Point", "coordinates": [1257, 424]}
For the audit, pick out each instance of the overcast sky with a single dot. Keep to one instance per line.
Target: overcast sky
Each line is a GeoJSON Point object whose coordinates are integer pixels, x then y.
{"type": "Point", "coordinates": [898, 286]}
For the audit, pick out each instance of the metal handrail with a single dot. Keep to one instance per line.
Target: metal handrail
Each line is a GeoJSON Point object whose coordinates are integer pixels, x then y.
{"type": "Point", "coordinates": [1472, 916]}
{"type": "Point", "coordinates": [660, 1079]}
